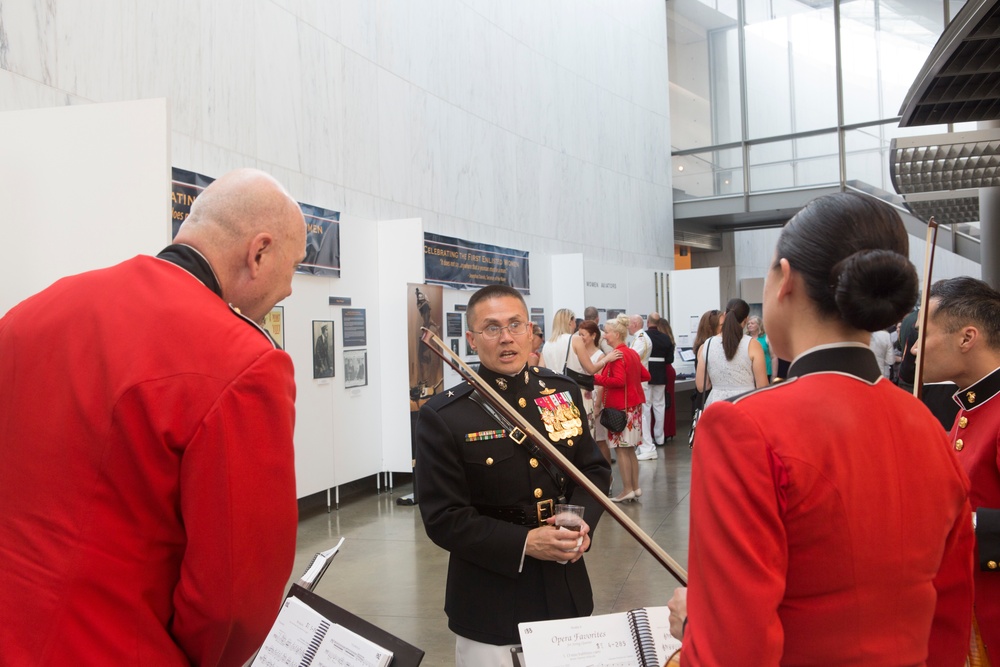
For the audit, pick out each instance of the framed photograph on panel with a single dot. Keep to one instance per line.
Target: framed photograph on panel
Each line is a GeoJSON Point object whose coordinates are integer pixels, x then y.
{"type": "Point", "coordinates": [274, 324]}
{"type": "Point", "coordinates": [323, 349]}
{"type": "Point", "coordinates": [454, 346]}
{"type": "Point", "coordinates": [355, 368]}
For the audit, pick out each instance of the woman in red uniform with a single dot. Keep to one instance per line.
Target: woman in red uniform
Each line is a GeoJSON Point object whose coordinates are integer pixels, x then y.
{"type": "Point", "coordinates": [829, 519]}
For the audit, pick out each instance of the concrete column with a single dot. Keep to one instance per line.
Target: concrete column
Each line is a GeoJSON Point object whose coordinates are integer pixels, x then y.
{"type": "Point", "coordinates": [989, 226]}
{"type": "Point", "coordinates": [989, 234]}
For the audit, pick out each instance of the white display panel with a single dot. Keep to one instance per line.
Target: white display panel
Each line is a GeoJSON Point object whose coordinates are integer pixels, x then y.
{"type": "Point", "coordinates": [81, 188]}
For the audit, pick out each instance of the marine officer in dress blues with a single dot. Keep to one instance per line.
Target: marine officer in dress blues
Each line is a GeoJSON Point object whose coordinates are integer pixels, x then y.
{"type": "Point", "coordinates": [488, 500]}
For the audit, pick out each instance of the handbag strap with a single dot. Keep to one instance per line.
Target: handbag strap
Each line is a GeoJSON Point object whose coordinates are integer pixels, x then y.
{"type": "Point", "coordinates": [708, 346]}
{"type": "Point", "coordinates": [569, 344]}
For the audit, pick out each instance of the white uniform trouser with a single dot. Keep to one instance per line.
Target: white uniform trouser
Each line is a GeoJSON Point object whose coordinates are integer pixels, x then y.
{"type": "Point", "coordinates": [469, 653]}
{"type": "Point", "coordinates": [647, 444]}
{"type": "Point", "coordinates": [653, 407]}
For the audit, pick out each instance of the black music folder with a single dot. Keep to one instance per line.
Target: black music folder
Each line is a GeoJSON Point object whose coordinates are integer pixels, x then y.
{"type": "Point", "coordinates": [311, 631]}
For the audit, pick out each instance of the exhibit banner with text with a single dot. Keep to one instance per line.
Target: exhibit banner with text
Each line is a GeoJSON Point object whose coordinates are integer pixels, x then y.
{"type": "Point", "coordinates": [464, 264]}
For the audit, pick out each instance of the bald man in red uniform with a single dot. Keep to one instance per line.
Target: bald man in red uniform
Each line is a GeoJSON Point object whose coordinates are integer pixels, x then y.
{"type": "Point", "coordinates": [146, 468]}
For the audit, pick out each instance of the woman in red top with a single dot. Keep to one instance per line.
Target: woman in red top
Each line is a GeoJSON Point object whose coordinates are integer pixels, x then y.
{"type": "Point", "coordinates": [622, 381]}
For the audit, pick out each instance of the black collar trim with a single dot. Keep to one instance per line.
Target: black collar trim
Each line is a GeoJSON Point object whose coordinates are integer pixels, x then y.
{"type": "Point", "coordinates": [855, 359]}
{"type": "Point", "coordinates": [502, 383]}
{"type": "Point", "coordinates": [976, 395]}
{"type": "Point", "coordinates": [194, 263]}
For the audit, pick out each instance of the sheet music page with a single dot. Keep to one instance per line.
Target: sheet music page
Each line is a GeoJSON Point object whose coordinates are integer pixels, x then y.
{"type": "Point", "coordinates": [287, 642]}
{"type": "Point", "coordinates": [345, 648]}
{"type": "Point", "coordinates": [604, 640]}
{"type": "Point", "coordinates": [659, 625]}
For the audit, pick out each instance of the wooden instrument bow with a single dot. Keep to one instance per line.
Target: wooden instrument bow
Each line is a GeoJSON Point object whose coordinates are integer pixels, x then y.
{"type": "Point", "coordinates": [918, 373]}
{"type": "Point", "coordinates": [553, 454]}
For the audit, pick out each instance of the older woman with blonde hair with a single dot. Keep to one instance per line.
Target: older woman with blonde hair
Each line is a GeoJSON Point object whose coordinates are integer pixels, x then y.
{"type": "Point", "coordinates": [622, 381]}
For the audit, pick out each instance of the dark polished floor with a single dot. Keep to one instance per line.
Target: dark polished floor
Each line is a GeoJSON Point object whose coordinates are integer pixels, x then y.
{"type": "Point", "coordinates": [391, 574]}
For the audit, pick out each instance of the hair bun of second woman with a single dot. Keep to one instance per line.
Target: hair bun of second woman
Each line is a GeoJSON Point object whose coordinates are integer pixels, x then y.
{"type": "Point", "coordinates": [874, 288]}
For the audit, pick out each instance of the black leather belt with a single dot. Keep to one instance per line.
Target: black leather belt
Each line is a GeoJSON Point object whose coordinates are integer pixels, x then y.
{"type": "Point", "coordinates": [522, 515]}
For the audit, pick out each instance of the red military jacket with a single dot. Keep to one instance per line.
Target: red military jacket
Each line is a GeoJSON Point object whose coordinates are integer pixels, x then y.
{"type": "Point", "coordinates": [146, 471]}
{"type": "Point", "coordinates": [976, 439]}
{"type": "Point", "coordinates": [829, 525]}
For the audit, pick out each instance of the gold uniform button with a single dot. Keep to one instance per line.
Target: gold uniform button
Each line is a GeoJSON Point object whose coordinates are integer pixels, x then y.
{"type": "Point", "coordinates": [489, 461]}
{"type": "Point", "coordinates": [533, 463]}
{"type": "Point", "coordinates": [959, 445]}
{"type": "Point", "coordinates": [963, 422]}
{"type": "Point", "coordinates": [522, 402]}
{"type": "Point", "coordinates": [992, 565]}
{"type": "Point", "coordinates": [538, 493]}
{"type": "Point", "coordinates": [569, 442]}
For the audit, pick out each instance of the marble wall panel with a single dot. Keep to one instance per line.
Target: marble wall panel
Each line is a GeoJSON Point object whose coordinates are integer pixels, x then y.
{"type": "Point", "coordinates": [428, 133]}
{"type": "Point", "coordinates": [83, 36]}
{"type": "Point", "coordinates": [361, 124]}
{"type": "Point", "coordinates": [358, 27]}
{"type": "Point", "coordinates": [228, 34]}
{"type": "Point", "coordinates": [186, 153]}
{"type": "Point", "coordinates": [362, 204]}
{"type": "Point", "coordinates": [394, 137]}
{"type": "Point", "coordinates": [168, 60]}
{"type": "Point", "coordinates": [527, 98]}
{"type": "Point", "coordinates": [497, 12]}
{"type": "Point", "coordinates": [605, 205]}
{"type": "Point", "coordinates": [474, 69]}
{"type": "Point", "coordinates": [326, 19]}
{"type": "Point", "coordinates": [504, 174]}
{"type": "Point", "coordinates": [395, 33]}
{"type": "Point", "coordinates": [18, 92]}
{"type": "Point", "coordinates": [28, 39]}
{"type": "Point", "coordinates": [527, 188]}
{"type": "Point", "coordinates": [278, 86]}
{"type": "Point", "coordinates": [319, 192]}
{"type": "Point", "coordinates": [528, 117]}
{"type": "Point", "coordinates": [413, 137]}
{"type": "Point", "coordinates": [322, 128]}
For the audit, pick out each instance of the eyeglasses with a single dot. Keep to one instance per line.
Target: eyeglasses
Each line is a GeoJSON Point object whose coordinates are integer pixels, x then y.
{"type": "Point", "coordinates": [493, 331]}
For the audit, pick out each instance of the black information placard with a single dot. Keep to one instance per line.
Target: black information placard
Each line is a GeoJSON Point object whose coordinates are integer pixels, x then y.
{"type": "Point", "coordinates": [454, 324]}
{"type": "Point", "coordinates": [355, 328]}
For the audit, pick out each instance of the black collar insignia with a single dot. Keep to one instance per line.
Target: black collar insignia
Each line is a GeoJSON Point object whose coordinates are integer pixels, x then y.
{"type": "Point", "coordinates": [973, 396]}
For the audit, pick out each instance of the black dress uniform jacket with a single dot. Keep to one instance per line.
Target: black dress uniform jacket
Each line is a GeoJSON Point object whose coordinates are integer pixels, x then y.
{"type": "Point", "coordinates": [663, 350]}
{"type": "Point", "coordinates": [467, 468]}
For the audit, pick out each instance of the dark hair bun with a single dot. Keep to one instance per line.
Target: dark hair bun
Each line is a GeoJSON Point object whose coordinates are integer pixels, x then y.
{"type": "Point", "coordinates": [874, 288]}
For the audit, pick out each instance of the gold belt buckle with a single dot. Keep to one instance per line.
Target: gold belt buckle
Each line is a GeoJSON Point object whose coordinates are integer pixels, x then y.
{"type": "Point", "coordinates": [517, 435]}
{"type": "Point", "coordinates": [540, 510]}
